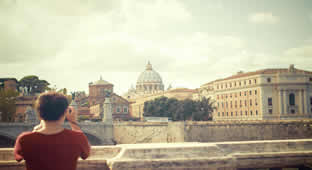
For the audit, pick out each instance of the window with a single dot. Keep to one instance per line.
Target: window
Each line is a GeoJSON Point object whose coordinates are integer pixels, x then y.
{"type": "Point", "coordinates": [250, 102]}
{"type": "Point", "coordinates": [118, 109]}
{"type": "Point", "coordinates": [249, 81]}
{"type": "Point", "coordinates": [310, 78]}
{"type": "Point", "coordinates": [235, 104]}
{"type": "Point", "coordinates": [256, 103]}
{"type": "Point", "coordinates": [250, 92]}
{"type": "Point", "coordinates": [240, 103]}
{"type": "Point", "coordinates": [221, 86]}
{"type": "Point", "coordinates": [230, 84]}
{"type": "Point", "coordinates": [310, 100]}
{"type": "Point", "coordinates": [231, 95]}
{"type": "Point", "coordinates": [240, 93]}
{"type": "Point", "coordinates": [245, 93]}
{"type": "Point", "coordinates": [222, 113]}
{"type": "Point", "coordinates": [222, 104]}
{"type": "Point", "coordinates": [246, 113]}
{"type": "Point", "coordinates": [218, 104]}
{"type": "Point", "coordinates": [245, 103]}
{"type": "Point", "coordinates": [292, 111]}
{"type": "Point", "coordinates": [225, 85]}
{"type": "Point", "coordinates": [251, 112]}
{"type": "Point", "coordinates": [227, 113]}
{"type": "Point", "coordinates": [241, 113]}
{"type": "Point", "coordinates": [226, 104]}
{"type": "Point", "coordinates": [245, 82]}
{"type": "Point", "coordinates": [269, 80]}
{"type": "Point", "coordinates": [270, 101]}
{"type": "Point", "coordinates": [235, 83]}
{"type": "Point", "coordinates": [235, 94]}
{"type": "Point", "coordinates": [255, 81]}
{"type": "Point", "coordinates": [217, 86]}
{"type": "Point", "coordinates": [256, 112]}
{"type": "Point", "coordinates": [218, 113]}
{"type": "Point", "coordinates": [125, 110]}
{"type": "Point", "coordinates": [291, 99]}
{"type": "Point", "coordinates": [270, 111]}
{"type": "Point", "coordinates": [236, 113]}
{"type": "Point", "coordinates": [240, 83]}
{"type": "Point", "coordinates": [231, 104]}
{"type": "Point", "coordinates": [255, 92]}
{"type": "Point", "coordinates": [231, 113]}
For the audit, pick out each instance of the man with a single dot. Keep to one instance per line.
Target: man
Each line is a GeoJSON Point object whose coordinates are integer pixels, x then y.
{"type": "Point", "coordinates": [50, 146]}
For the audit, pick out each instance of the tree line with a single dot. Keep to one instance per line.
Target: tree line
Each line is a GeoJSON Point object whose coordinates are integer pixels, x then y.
{"type": "Point", "coordinates": [180, 110]}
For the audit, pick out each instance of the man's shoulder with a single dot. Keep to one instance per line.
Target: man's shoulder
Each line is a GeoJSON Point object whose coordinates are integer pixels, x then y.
{"type": "Point", "coordinates": [74, 133]}
{"type": "Point", "coordinates": [25, 134]}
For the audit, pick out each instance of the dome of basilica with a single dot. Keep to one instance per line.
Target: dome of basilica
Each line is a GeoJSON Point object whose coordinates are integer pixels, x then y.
{"type": "Point", "coordinates": [149, 81]}
{"type": "Point", "coordinates": [149, 76]}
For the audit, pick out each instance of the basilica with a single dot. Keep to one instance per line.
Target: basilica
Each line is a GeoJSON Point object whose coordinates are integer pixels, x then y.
{"type": "Point", "coordinates": [149, 86]}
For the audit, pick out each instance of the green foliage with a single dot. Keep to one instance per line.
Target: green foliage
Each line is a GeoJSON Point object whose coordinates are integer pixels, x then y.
{"type": "Point", "coordinates": [33, 82]}
{"type": "Point", "coordinates": [7, 104]}
{"type": "Point", "coordinates": [180, 109]}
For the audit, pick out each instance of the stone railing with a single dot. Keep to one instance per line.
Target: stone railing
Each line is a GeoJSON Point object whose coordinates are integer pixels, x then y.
{"type": "Point", "coordinates": [187, 156]}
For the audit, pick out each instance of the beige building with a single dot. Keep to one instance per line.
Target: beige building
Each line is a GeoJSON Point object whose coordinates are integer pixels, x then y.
{"type": "Point", "coordinates": [263, 94]}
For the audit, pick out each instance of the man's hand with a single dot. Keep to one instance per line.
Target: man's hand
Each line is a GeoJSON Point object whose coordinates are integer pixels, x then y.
{"type": "Point", "coordinates": [71, 116]}
{"type": "Point", "coordinates": [38, 127]}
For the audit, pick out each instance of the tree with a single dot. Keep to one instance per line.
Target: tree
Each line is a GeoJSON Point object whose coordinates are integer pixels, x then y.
{"type": "Point", "coordinates": [180, 109]}
{"type": "Point", "coordinates": [7, 105]}
{"type": "Point", "coordinates": [34, 83]}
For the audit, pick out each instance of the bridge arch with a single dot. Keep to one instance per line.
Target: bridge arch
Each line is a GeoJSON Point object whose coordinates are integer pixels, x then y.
{"type": "Point", "coordinates": [6, 141]}
{"type": "Point", "coordinates": [93, 140]}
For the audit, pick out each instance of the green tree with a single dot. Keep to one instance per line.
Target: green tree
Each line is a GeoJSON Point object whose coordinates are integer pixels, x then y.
{"type": "Point", "coordinates": [34, 83]}
{"type": "Point", "coordinates": [7, 104]}
{"type": "Point", "coordinates": [203, 110]}
{"type": "Point", "coordinates": [180, 109]}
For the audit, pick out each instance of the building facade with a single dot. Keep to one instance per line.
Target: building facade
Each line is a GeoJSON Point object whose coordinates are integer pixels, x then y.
{"type": "Point", "coordinates": [99, 91]}
{"type": "Point", "coordinates": [8, 83]}
{"type": "Point", "coordinates": [263, 94]}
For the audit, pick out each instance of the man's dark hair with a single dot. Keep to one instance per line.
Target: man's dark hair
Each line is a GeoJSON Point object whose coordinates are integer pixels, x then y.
{"type": "Point", "coordinates": [51, 106]}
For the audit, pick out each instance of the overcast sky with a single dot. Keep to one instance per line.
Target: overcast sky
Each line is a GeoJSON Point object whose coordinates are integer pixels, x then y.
{"type": "Point", "coordinates": [189, 42]}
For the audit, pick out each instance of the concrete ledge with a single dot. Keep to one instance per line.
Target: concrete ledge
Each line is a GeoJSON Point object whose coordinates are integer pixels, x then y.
{"type": "Point", "coordinates": [187, 156]}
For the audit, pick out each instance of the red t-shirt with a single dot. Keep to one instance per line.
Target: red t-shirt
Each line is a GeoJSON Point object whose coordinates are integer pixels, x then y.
{"type": "Point", "coordinates": [51, 152]}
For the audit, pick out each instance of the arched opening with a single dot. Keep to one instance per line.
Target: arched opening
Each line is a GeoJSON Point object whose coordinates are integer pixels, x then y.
{"type": "Point", "coordinates": [292, 99]}
{"type": "Point", "coordinates": [93, 140]}
{"type": "Point", "coordinates": [6, 142]}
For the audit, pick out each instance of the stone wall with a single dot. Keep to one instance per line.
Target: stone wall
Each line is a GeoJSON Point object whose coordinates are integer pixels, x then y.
{"type": "Point", "coordinates": [154, 132]}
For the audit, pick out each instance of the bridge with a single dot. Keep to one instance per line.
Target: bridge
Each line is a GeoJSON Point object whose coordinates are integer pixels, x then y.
{"type": "Point", "coordinates": [243, 155]}
{"type": "Point", "coordinates": [99, 133]}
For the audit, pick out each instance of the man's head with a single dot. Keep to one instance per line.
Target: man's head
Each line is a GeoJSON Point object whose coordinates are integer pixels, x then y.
{"type": "Point", "coordinates": [51, 106]}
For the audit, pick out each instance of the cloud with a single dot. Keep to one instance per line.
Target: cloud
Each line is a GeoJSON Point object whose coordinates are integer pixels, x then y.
{"type": "Point", "coordinates": [263, 18]}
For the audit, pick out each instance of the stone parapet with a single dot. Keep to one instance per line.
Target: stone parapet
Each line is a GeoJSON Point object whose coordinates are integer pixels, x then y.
{"type": "Point", "coordinates": [187, 156]}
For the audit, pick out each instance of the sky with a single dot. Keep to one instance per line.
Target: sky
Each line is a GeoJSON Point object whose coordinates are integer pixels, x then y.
{"type": "Point", "coordinates": [189, 43]}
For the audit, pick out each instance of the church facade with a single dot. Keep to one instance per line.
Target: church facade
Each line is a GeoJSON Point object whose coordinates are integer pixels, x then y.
{"type": "Point", "coordinates": [99, 91]}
